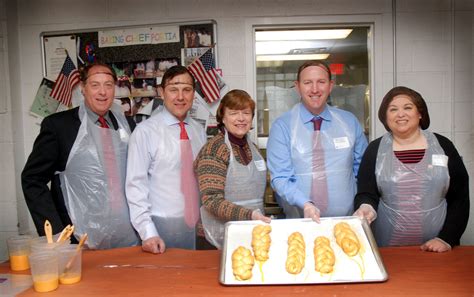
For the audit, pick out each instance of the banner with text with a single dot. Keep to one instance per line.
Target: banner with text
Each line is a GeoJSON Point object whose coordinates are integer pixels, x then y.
{"type": "Point", "coordinates": [134, 36]}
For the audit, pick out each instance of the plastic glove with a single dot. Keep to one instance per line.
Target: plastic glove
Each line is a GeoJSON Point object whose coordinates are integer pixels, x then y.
{"type": "Point", "coordinates": [257, 215]}
{"type": "Point", "coordinates": [154, 245]}
{"type": "Point", "coordinates": [435, 245]}
{"type": "Point", "coordinates": [311, 211]}
{"type": "Point", "coordinates": [366, 211]}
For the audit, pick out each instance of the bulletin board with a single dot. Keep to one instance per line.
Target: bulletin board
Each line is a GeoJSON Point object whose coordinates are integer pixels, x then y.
{"type": "Point", "coordinates": [139, 54]}
{"type": "Point", "coordinates": [135, 44]}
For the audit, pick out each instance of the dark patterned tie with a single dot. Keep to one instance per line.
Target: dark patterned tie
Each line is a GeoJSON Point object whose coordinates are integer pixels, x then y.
{"type": "Point", "coordinates": [319, 187]}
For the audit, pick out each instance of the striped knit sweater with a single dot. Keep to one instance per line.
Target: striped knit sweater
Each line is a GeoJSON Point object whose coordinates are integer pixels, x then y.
{"type": "Point", "coordinates": [211, 169]}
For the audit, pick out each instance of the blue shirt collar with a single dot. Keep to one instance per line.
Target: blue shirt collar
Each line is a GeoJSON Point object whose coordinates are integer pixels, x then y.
{"type": "Point", "coordinates": [307, 116]}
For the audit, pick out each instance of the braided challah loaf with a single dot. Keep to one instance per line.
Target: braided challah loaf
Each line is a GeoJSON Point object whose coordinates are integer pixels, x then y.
{"type": "Point", "coordinates": [346, 239]}
{"type": "Point", "coordinates": [324, 258]}
{"type": "Point", "coordinates": [261, 242]}
{"type": "Point", "coordinates": [296, 253]}
{"type": "Point", "coordinates": [242, 263]}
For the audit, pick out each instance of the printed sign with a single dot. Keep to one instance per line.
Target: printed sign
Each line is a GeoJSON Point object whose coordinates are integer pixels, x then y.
{"type": "Point", "coordinates": [144, 35]}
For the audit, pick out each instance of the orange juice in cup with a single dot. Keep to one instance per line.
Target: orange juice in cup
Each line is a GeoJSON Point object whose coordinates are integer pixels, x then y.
{"type": "Point", "coordinates": [44, 270]}
{"type": "Point", "coordinates": [45, 282]}
{"type": "Point", "coordinates": [19, 262]}
{"type": "Point", "coordinates": [18, 250]}
{"type": "Point", "coordinates": [69, 278]}
{"type": "Point", "coordinates": [70, 264]}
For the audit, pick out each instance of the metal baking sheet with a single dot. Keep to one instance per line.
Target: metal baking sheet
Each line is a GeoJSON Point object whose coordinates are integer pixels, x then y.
{"type": "Point", "coordinates": [367, 266]}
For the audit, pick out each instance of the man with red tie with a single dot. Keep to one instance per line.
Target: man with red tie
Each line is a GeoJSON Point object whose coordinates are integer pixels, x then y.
{"type": "Point", "coordinates": [161, 188]}
{"type": "Point", "coordinates": [314, 150]}
{"type": "Point", "coordinates": [82, 152]}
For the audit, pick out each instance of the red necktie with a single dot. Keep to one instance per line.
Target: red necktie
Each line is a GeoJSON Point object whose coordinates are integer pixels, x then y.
{"type": "Point", "coordinates": [103, 122]}
{"type": "Point", "coordinates": [110, 163]}
{"type": "Point", "coordinates": [189, 186]}
{"type": "Point", "coordinates": [319, 187]}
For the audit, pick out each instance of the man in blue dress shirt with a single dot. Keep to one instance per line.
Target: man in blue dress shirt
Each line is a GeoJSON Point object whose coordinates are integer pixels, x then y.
{"type": "Point", "coordinates": [296, 142]}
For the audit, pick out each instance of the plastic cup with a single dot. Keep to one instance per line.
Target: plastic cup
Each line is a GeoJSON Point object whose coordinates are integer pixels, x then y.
{"type": "Point", "coordinates": [44, 239]}
{"type": "Point", "coordinates": [18, 251]}
{"type": "Point", "coordinates": [70, 264]}
{"type": "Point", "coordinates": [41, 244]}
{"type": "Point", "coordinates": [44, 270]}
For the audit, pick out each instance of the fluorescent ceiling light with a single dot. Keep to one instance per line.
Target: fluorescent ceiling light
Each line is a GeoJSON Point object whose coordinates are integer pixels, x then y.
{"type": "Point", "coordinates": [266, 64]}
{"type": "Point", "coordinates": [302, 34]}
{"type": "Point", "coordinates": [292, 57]}
{"type": "Point", "coordinates": [284, 47]}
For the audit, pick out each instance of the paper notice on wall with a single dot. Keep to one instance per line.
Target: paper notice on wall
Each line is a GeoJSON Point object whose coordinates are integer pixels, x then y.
{"type": "Point", "coordinates": [43, 104]}
{"type": "Point", "coordinates": [55, 49]}
{"type": "Point", "coordinates": [199, 112]}
{"type": "Point", "coordinates": [188, 55]}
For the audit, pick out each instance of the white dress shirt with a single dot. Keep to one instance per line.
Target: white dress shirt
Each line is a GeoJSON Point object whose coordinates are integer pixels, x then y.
{"type": "Point", "coordinates": [153, 170]}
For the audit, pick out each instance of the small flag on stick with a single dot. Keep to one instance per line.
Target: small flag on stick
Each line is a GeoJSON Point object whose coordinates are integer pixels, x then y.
{"type": "Point", "coordinates": [67, 79]}
{"type": "Point", "coordinates": [204, 71]}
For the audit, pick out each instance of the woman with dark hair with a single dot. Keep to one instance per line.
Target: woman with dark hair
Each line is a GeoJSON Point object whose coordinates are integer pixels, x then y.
{"type": "Point", "coordinates": [230, 170]}
{"type": "Point", "coordinates": [412, 183]}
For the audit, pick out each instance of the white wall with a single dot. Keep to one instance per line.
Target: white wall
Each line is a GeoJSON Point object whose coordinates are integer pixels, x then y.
{"type": "Point", "coordinates": [8, 174]}
{"type": "Point", "coordinates": [469, 235]}
{"type": "Point", "coordinates": [434, 52]}
{"type": "Point", "coordinates": [431, 56]}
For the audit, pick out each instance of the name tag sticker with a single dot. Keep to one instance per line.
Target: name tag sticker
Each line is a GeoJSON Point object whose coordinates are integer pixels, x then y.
{"type": "Point", "coordinates": [440, 160]}
{"type": "Point", "coordinates": [341, 142]}
{"type": "Point", "coordinates": [260, 164]}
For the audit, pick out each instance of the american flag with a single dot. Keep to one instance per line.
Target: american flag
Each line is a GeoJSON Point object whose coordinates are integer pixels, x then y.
{"type": "Point", "coordinates": [67, 79]}
{"type": "Point", "coordinates": [203, 69]}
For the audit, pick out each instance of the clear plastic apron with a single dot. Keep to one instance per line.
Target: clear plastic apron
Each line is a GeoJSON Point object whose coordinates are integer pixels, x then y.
{"type": "Point", "coordinates": [175, 232]}
{"type": "Point", "coordinates": [85, 184]}
{"type": "Point", "coordinates": [338, 140]}
{"type": "Point", "coordinates": [244, 186]}
{"type": "Point", "coordinates": [412, 207]}
{"type": "Point", "coordinates": [171, 225]}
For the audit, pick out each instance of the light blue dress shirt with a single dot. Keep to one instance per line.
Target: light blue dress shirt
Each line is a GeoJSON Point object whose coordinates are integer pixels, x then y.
{"type": "Point", "coordinates": [289, 156]}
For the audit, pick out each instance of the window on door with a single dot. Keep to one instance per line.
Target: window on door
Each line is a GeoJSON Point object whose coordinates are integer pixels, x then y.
{"type": "Point", "coordinates": [280, 51]}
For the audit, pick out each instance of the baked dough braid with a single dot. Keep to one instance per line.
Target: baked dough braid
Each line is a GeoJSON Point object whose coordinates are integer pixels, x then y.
{"type": "Point", "coordinates": [324, 258]}
{"type": "Point", "coordinates": [261, 241]}
{"type": "Point", "coordinates": [296, 253]}
{"type": "Point", "coordinates": [242, 263]}
{"type": "Point", "coordinates": [346, 239]}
